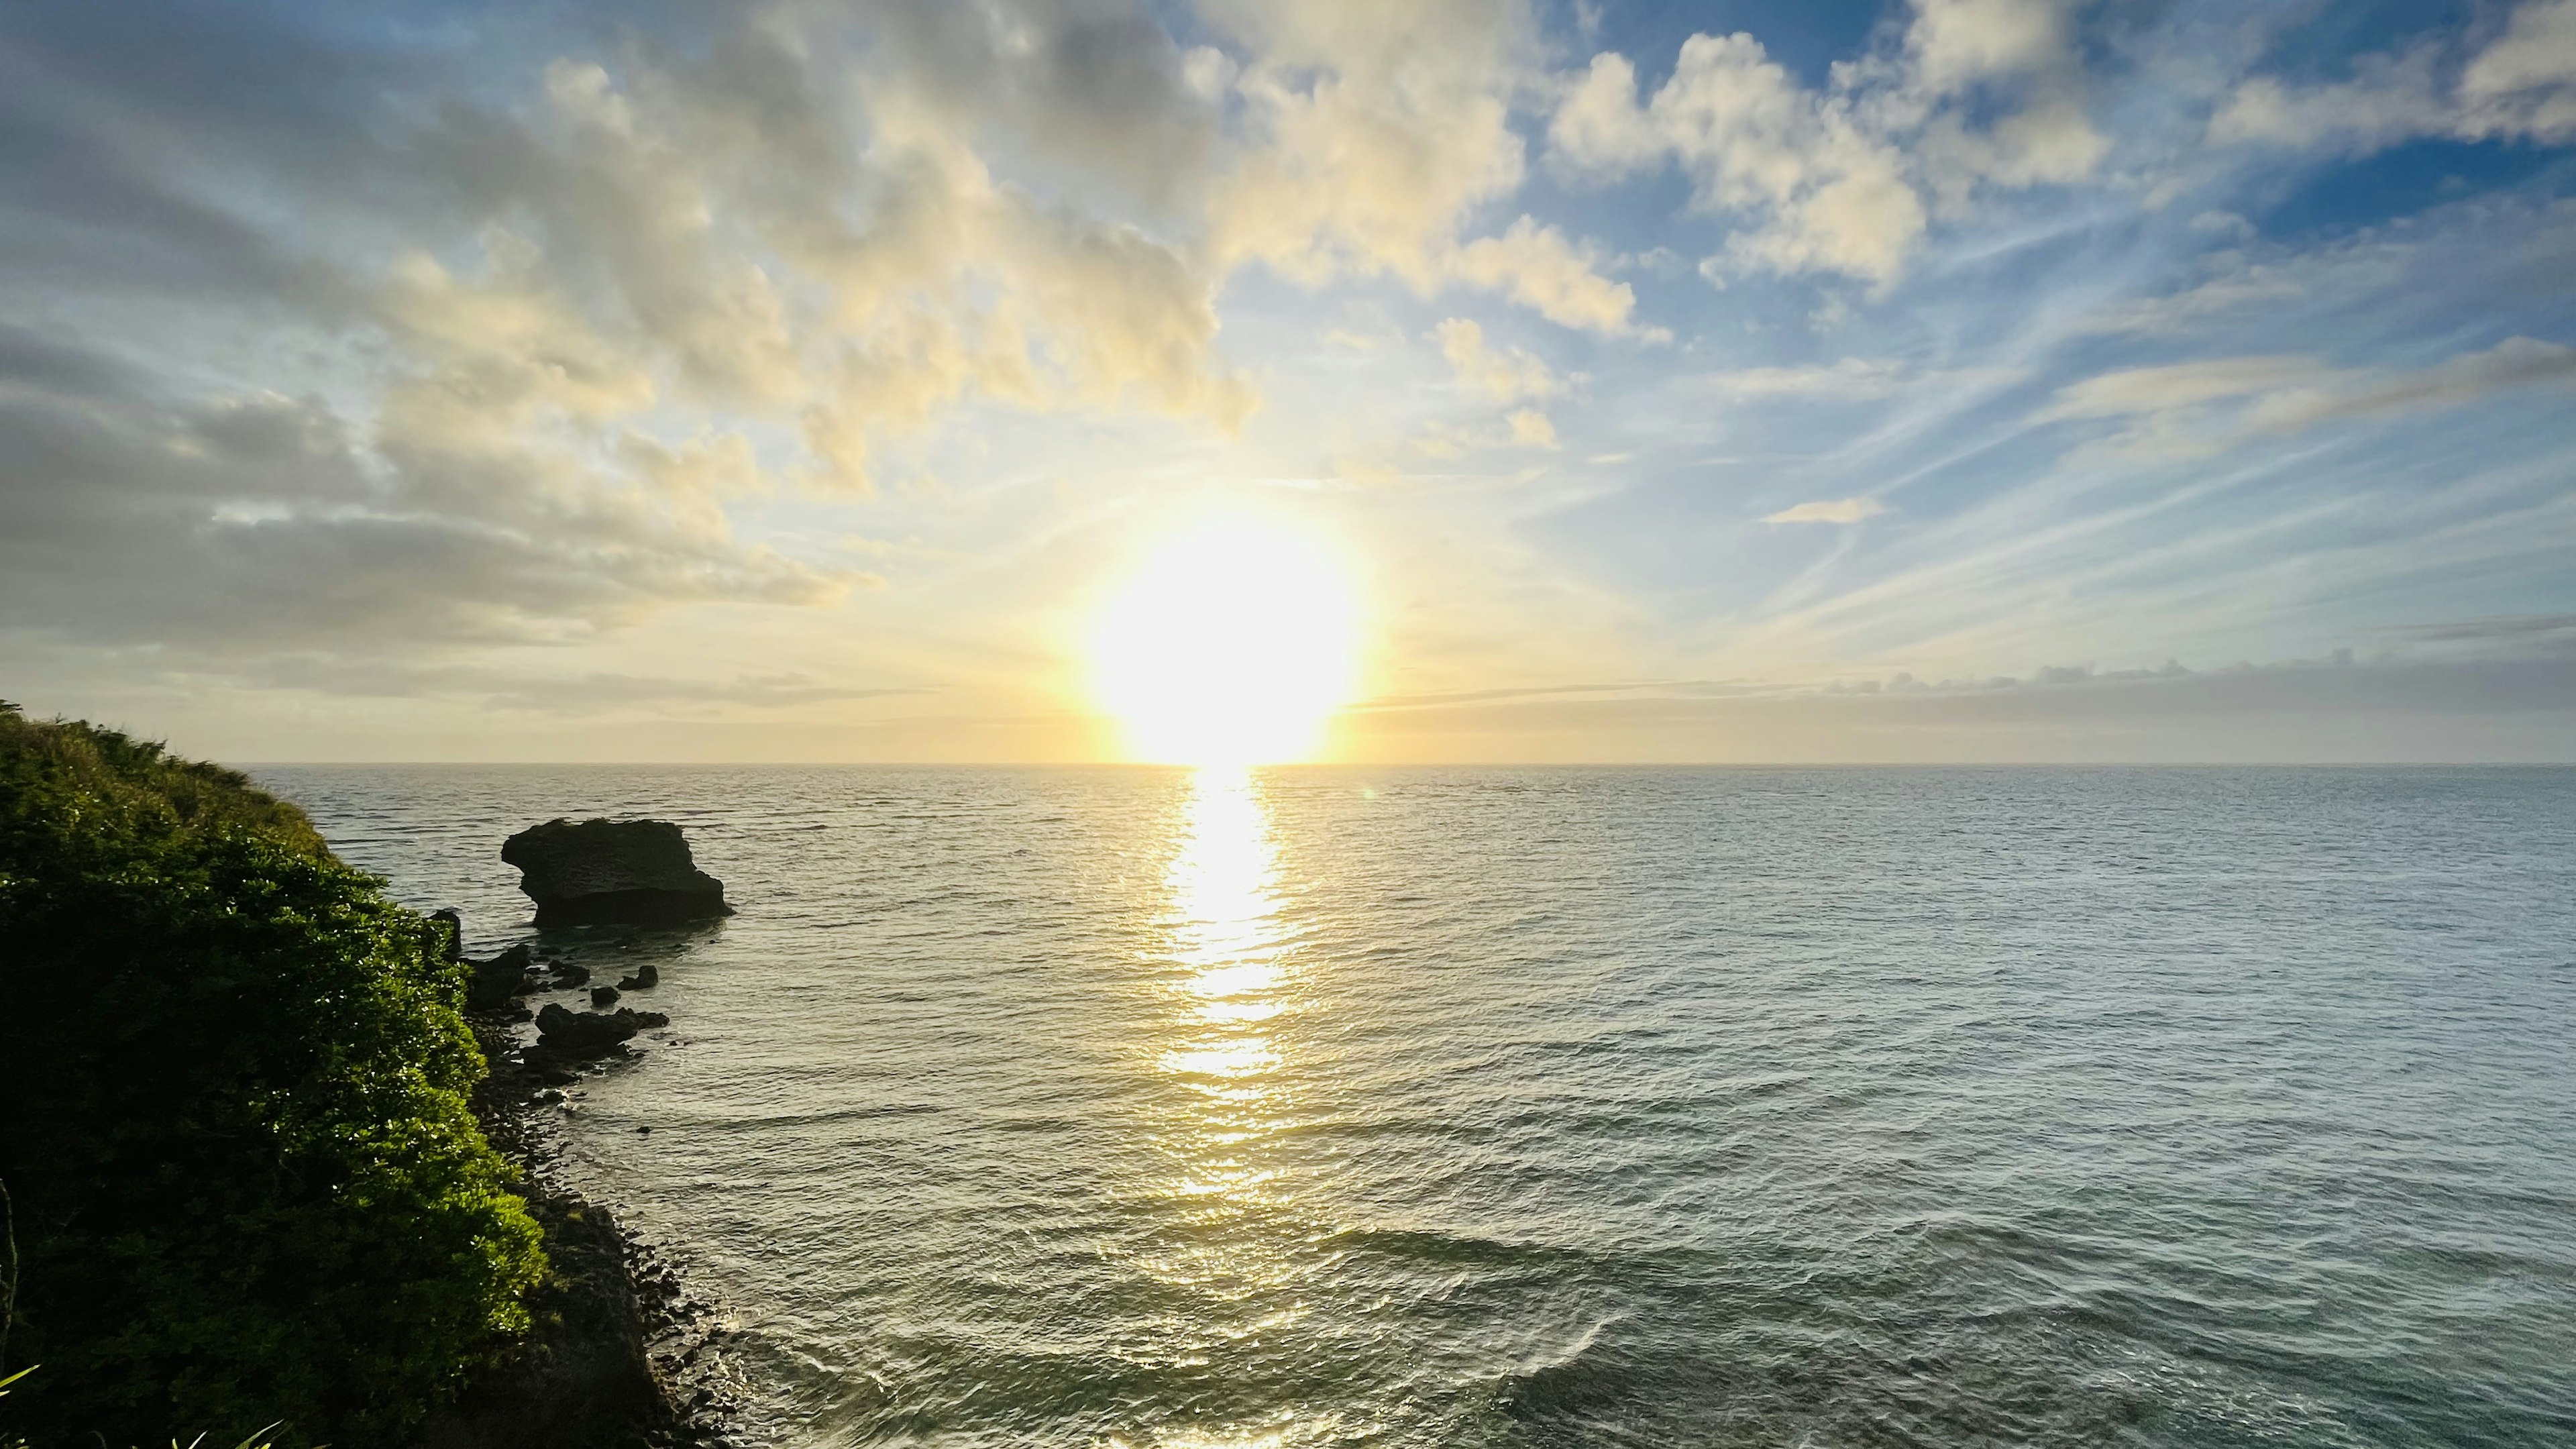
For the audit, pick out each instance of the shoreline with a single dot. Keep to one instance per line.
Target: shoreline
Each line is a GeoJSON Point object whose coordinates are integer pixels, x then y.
{"type": "Point", "coordinates": [621, 1355]}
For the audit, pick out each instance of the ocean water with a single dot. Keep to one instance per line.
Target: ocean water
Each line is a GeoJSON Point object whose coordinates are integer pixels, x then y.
{"type": "Point", "coordinates": [1573, 1107]}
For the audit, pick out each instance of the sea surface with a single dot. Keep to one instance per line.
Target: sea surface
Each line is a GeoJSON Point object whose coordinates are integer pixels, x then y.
{"type": "Point", "coordinates": [1574, 1107]}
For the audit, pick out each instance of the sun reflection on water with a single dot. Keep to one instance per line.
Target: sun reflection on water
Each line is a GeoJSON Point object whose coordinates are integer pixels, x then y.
{"type": "Point", "coordinates": [1234, 977]}
{"type": "Point", "coordinates": [1225, 932]}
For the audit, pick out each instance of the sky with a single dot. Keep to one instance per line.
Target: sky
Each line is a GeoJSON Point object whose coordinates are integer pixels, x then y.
{"type": "Point", "coordinates": [1941, 380]}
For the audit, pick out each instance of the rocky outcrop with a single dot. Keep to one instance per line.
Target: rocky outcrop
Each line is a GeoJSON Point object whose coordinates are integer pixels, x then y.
{"type": "Point", "coordinates": [495, 981]}
{"type": "Point", "coordinates": [564, 1032]}
{"type": "Point", "coordinates": [451, 929]}
{"type": "Point", "coordinates": [602, 872]}
{"type": "Point", "coordinates": [582, 1378]}
{"type": "Point", "coordinates": [619, 1356]}
{"type": "Point", "coordinates": [583, 1033]}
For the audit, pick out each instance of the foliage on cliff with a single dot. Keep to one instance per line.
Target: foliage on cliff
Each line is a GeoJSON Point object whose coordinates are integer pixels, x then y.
{"type": "Point", "coordinates": [233, 1116]}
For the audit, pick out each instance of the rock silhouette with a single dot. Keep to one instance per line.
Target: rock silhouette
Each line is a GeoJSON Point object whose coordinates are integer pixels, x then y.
{"type": "Point", "coordinates": [622, 872]}
{"type": "Point", "coordinates": [494, 982]}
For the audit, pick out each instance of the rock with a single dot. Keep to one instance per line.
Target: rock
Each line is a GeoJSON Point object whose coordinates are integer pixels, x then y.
{"type": "Point", "coordinates": [567, 974]}
{"type": "Point", "coordinates": [584, 1033]}
{"type": "Point", "coordinates": [454, 927]}
{"type": "Point", "coordinates": [603, 996]}
{"type": "Point", "coordinates": [599, 872]}
{"type": "Point", "coordinates": [644, 1018]}
{"type": "Point", "coordinates": [651, 975]}
{"type": "Point", "coordinates": [495, 981]}
{"type": "Point", "coordinates": [582, 1379]}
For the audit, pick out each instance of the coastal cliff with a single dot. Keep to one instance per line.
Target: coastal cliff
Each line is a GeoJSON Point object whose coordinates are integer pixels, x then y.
{"type": "Point", "coordinates": [260, 1168]}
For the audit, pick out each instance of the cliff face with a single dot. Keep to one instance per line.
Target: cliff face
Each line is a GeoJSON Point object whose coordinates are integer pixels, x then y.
{"type": "Point", "coordinates": [246, 1182]}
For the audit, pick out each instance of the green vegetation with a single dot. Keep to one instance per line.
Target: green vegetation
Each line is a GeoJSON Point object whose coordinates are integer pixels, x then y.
{"type": "Point", "coordinates": [233, 1121]}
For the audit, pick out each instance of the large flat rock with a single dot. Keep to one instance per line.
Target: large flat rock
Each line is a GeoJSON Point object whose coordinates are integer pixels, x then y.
{"type": "Point", "coordinates": [612, 872]}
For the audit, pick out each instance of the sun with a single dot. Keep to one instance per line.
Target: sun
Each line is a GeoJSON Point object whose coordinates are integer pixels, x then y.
{"type": "Point", "coordinates": [1233, 644]}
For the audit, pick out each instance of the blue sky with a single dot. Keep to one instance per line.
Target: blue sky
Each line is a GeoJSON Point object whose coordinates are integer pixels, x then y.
{"type": "Point", "coordinates": [1954, 379]}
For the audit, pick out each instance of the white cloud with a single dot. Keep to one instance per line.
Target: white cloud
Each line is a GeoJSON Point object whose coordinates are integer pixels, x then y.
{"type": "Point", "coordinates": [1531, 428]}
{"type": "Point", "coordinates": [1839, 510]}
{"type": "Point", "coordinates": [1841, 179]}
{"type": "Point", "coordinates": [2198, 408]}
{"type": "Point", "coordinates": [1828, 195]}
{"type": "Point", "coordinates": [1376, 130]}
{"type": "Point", "coordinates": [2140, 390]}
{"type": "Point", "coordinates": [1537, 267]}
{"type": "Point", "coordinates": [1851, 377]}
{"type": "Point", "coordinates": [1505, 375]}
{"type": "Point", "coordinates": [2519, 86]}
{"type": "Point", "coordinates": [1957, 42]}
{"type": "Point", "coordinates": [2526, 81]}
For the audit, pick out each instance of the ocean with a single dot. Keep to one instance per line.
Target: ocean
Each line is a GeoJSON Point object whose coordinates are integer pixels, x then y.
{"type": "Point", "coordinates": [1588, 1107]}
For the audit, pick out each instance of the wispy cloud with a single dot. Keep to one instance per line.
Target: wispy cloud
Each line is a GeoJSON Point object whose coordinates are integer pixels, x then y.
{"type": "Point", "coordinates": [2203, 407]}
{"type": "Point", "coordinates": [1838, 510]}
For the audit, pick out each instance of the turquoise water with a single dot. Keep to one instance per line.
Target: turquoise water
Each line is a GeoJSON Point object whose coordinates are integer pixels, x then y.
{"type": "Point", "coordinates": [1592, 1107]}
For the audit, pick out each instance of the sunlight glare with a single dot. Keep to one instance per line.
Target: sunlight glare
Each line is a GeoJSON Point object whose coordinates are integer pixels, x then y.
{"type": "Point", "coordinates": [1233, 645]}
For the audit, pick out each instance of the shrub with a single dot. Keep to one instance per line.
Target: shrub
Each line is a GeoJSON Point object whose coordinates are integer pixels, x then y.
{"type": "Point", "coordinates": [233, 1115]}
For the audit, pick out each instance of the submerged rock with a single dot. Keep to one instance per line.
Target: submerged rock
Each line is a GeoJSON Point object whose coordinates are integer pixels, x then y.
{"type": "Point", "coordinates": [650, 975]}
{"type": "Point", "coordinates": [603, 996]}
{"type": "Point", "coordinates": [599, 872]}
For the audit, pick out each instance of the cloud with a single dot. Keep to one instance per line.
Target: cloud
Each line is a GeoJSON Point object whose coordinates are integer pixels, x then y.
{"type": "Point", "coordinates": [1503, 374]}
{"type": "Point", "coordinates": [2521, 85]}
{"type": "Point", "coordinates": [1824, 194]}
{"type": "Point", "coordinates": [1840, 510]}
{"type": "Point", "coordinates": [1531, 428]}
{"type": "Point", "coordinates": [1850, 377]}
{"type": "Point", "coordinates": [1955, 43]}
{"type": "Point", "coordinates": [262, 518]}
{"type": "Point", "coordinates": [1375, 131]}
{"type": "Point", "coordinates": [2195, 408]}
{"type": "Point", "coordinates": [1843, 179]}
{"type": "Point", "coordinates": [2138, 390]}
{"type": "Point", "coordinates": [1537, 267]}
{"type": "Point", "coordinates": [2553, 633]}
{"type": "Point", "coordinates": [2391, 711]}
{"type": "Point", "coordinates": [538, 310]}
{"type": "Point", "coordinates": [1376, 128]}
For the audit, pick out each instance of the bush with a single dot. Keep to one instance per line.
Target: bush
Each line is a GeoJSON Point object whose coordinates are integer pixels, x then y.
{"type": "Point", "coordinates": [233, 1116]}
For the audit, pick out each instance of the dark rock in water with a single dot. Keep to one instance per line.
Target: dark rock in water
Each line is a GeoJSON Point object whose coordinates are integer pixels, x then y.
{"type": "Point", "coordinates": [599, 872]}
{"type": "Point", "coordinates": [644, 1018]}
{"type": "Point", "coordinates": [495, 981]}
{"type": "Point", "coordinates": [454, 926]}
{"type": "Point", "coordinates": [651, 975]}
{"type": "Point", "coordinates": [567, 974]}
{"type": "Point", "coordinates": [584, 1033]}
{"type": "Point", "coordinates": [603, 996]}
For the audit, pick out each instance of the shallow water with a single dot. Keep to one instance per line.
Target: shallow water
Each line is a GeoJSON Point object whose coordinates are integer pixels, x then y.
{"type": "Point", "coordinates": [1592, 1107]}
